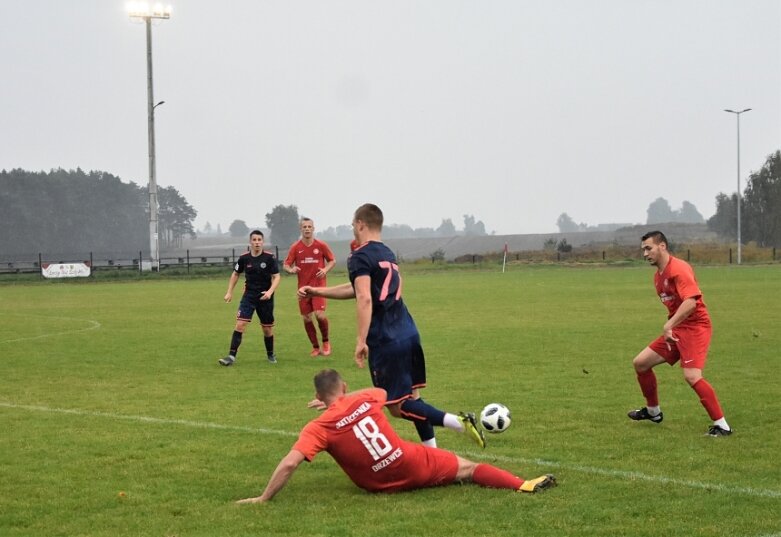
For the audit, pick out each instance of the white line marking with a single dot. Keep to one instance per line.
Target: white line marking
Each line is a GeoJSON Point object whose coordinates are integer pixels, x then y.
{"type": "Point", "coordinates": [634, 476]}
{"type": "Point", "coordinates": [147, 419]}
{"type": "Point", "coordinates": [94, 325]}
{"type": "Point", "coordinates": [622, 474]}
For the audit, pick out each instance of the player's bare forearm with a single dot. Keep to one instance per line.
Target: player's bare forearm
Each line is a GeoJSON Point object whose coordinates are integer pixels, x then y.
{"type": "Point", "coordinates": [337, 292]}
{"type": "Point", "coordinates": [231, 285]}
{"type": "Point", "coordinates": [681, 314]}
{"type": "Point", "coordinates": [280, 477]}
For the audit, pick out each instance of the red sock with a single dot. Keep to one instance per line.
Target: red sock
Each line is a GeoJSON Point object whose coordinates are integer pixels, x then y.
{"type": "Point", "coordinates": [708, 399]}
{"type": "Point", "coordinates": [647, 383]}
{"type": "Point", "coordinates": [323, 324]}
{"type": "Point", "coordinates": [486, 475]}
{"type": "Point", "coordinates": [309, 326]}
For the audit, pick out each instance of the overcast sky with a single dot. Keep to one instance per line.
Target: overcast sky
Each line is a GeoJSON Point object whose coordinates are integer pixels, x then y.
{"type": "Point", "coordinates": [513, 111]}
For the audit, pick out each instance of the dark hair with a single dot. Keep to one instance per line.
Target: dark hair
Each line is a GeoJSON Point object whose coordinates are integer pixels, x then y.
{"type": "Point", "coordinates": [327, 382]}
{"type": "Point", "coordinates": [256, 232]}
{"type": "Point", "coordinates": [657, 236]}
{"type": "Point", "coordinates": [371, 215]}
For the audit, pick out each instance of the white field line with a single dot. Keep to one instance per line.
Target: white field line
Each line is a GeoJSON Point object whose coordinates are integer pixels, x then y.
{"type": "Point", "coordinates": [147, 419]}
{"type": "Point", "coordinates": [637, 476]}
{"type": "Point", "coordinates": [619, 474]}
{"type": "Point", "coordinates": [93, 325]}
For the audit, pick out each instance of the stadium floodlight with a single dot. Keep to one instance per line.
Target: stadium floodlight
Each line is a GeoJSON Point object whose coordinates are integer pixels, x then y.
{"type": "Point", "coordinates": [146, 12]}
{"type": "Point", "coordinates": [737, 115]}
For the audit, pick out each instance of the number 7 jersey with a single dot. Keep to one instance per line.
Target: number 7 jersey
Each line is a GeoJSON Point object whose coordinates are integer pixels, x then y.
{"type": "Point", "coordinates": [391, 321]}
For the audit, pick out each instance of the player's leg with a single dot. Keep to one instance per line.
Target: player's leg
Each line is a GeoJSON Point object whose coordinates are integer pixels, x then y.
{"type": "Point", "coordinates": [694, 353]}
{"type": "Point", "coordinates": [643, 364]}
{"type": "Point", "coordinates": [266, 315]}
{"type": "Point", "coordinates": [243, 316]}
{"type": "Point", "coordinates": [305, 308]}
{"type": "Point", "coordinates": [416, 409]}
{"type": "Point", "coordinates": [318, 306]}
{"type": "Point", "coordinates": [487, 475]}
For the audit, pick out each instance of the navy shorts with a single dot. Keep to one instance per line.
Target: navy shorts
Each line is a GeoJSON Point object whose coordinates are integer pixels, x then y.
{"type": "Point", "coordinates": [251, 304]}
{"type": "Point", "coordinates": [398, 367]}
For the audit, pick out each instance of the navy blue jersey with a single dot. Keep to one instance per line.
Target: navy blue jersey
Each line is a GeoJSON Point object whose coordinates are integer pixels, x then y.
{"type": "Point", "coordinates": [390, 319]}
{"type": "Point", "coordinates": [257, 271]}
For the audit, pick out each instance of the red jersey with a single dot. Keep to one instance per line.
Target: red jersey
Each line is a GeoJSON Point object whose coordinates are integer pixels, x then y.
{"type": "Point", "coordinates": [309, 259]}
{"type": "Point", "coordinates": [355, 431]}
{"type": "Point", "coordinates": [677, 283]}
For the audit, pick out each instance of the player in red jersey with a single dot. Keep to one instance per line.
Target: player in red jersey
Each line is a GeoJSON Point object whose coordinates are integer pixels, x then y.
{"type": "Point", "coordinates": [311, 260]}
{"type": "Point", "coordinates": [685, 336]}
{"type": "Point", "coordinates": [354, 430]}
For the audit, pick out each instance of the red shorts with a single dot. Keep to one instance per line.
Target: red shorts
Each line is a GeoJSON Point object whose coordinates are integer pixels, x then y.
{"type": "Point", "coordinates": [691, 349]}
{"type": "Point", "coordinates": [422, 467]}
{"type": "Point", "coordinates": [308, 305]}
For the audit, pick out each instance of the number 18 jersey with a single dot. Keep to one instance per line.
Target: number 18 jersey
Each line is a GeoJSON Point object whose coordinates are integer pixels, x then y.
{"type": "Point", "coordinates": [355, 431]}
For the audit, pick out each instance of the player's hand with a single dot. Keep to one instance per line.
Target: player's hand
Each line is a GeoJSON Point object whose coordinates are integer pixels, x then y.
{"type": "Point", "coordinates": [294, 270]}
{"type": "Point", "coordinates": [669, 337]}
{"type": "Point", "coordinates": [251, 500]}
{"type": "Point", "coordinates": [361, 353]}
{"type": "Point", "coordinates": [321, 273]}
{"type": "Point", "coordinates": [305, 291]}
{"type": "Point", "coordinates": [265, 295]}
{"type": "Point", "coordinates": [317, 404]}
{"type": "Point", "coordinates": [228, 297]}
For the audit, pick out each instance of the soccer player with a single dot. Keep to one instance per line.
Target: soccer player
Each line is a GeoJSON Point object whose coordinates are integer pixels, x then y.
{"type": "Point", "coordinates": [387, 334]}
{"type": "Point", "coordinates": [685, 336]}
{"type": "Point", "coordinates": [311, 260]}
{"type": "Point", "coordinates": [261, 280]}
{"type": "Point", "coordinates": [354, 430]}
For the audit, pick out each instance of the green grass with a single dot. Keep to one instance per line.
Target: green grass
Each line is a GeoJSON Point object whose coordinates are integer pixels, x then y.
{"type": "Point", "coordinates": [112, 387]}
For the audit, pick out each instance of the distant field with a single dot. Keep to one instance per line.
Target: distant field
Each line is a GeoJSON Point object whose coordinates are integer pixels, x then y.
{"type": "Point", "coordinates": [117, 420]}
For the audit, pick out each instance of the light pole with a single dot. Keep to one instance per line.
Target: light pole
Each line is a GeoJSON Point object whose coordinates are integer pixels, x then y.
{"type": "Point", "coordinates": [147, 12]}
{"type": "Point", "coordinates": [737, 115]}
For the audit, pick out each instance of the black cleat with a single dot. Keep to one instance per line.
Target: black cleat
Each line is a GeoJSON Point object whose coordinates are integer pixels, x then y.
{"type": "Point", "coordinates": [642, 414]}
{"type": "Point", "coordinates": [716, 430]}
{"type": "Point", "coordinates": [272, 358]}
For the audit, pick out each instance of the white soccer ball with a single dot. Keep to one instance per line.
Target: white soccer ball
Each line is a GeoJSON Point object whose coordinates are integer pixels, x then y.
{"type": "Point", "coordinates": [495, 418]}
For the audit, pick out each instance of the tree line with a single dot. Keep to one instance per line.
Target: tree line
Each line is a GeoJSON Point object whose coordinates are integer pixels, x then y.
{"type": "Point", "coordinates": [760, 210]}
{"type": "Point", "coordinates": [70, 211]}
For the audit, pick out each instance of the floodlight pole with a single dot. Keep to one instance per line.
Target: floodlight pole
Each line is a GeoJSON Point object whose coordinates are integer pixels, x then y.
{"type": "Point", "coordinates": [144, 11]}
{"type": "Point", "coordinates": [737, 115]}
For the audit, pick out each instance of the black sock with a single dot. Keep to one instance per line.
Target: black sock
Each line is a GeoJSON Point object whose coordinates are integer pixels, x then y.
{"type": "Point", "coordinates": [268, 341]}
{"type": "Point", "coordinates": [425, 430]}
{"type": "Point", "coordinates": [235, 342]}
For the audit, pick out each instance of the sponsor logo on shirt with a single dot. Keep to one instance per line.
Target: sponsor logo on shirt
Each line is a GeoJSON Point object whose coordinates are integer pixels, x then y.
{"type": "Point", "coordinates": [347, 420]}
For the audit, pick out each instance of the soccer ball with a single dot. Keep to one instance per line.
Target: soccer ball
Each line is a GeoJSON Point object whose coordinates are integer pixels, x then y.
{"type": "Point", "coordinates": [495, 418]}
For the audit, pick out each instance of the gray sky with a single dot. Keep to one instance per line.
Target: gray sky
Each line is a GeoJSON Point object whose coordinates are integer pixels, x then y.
{"type": "Point", "coordinates": [513, 111]}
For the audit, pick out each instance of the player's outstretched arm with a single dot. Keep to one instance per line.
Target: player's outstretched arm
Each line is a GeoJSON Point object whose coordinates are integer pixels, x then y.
{"type": "Point", "coordinates": [284, 471]}
{"type": "Point", "coordinates": [338, 292]}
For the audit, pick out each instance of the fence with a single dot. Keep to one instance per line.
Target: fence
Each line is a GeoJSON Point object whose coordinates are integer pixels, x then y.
{"type": "Point", "coordinates": [24, 265]}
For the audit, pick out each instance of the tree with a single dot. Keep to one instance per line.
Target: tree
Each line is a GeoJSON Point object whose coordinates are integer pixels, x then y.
{"type": "Point", "coordinates": [446, 228]}
{"type": "Point", "coordinates": [689, 214]}
{"type": "Point", "coordinates": [175, 217]}
{"type": "Point", "coordinates": [207, 229]}
{"type": "Point", "coordinates": [762, 214]}
{"type": "Point", "coordinates": [760, 208]}
{"type": "Point", "coordinates": [566, 224]}
{"type": "Point", "coordinates": [283, 221]}
{"type": "Point", "coordinates": [238, 228]}
{"type": "Point", "coordinates": [563, 246]}
{"type": "Point", "coordinates": [724, 221]}
{"type": "Point", "coordinates": [472, 228]}
{"type": "Point", "coordinates": [659, 212]}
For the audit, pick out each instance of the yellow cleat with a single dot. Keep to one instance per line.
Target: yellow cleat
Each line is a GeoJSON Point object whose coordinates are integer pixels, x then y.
{"type": "Point", "coordinates": [470, 428]}
{"type": "Point", "coordinates": [538, 483]}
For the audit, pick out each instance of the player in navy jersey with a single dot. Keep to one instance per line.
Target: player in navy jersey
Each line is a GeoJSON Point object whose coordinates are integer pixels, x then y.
{"type": "Point", "coordinates": [261, 275]}
{"type": "Point", "coordinates": [387, 334]}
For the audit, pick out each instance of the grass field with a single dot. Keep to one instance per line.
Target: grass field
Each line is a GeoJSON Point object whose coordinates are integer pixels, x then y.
{"type": "Point", "coordinates": [116, 419]}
